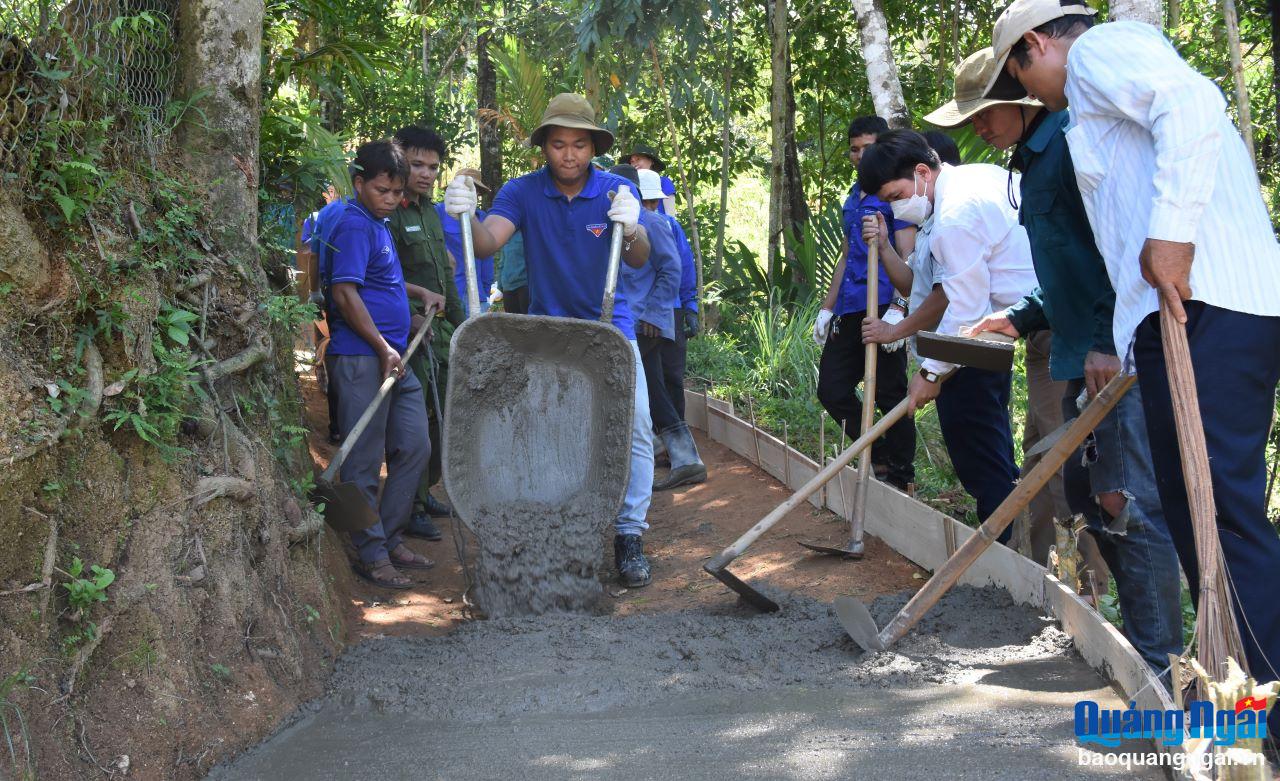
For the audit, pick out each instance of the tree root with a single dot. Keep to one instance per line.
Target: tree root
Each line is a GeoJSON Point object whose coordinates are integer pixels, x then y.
{"type": "Point", "coordinates": [68, 686]}
{"type": "Point", "coordinates": [312, 524]}
{"type": "Point", "coordinates": [46, 572]}
{"type": "Point", "coordinates": [94, 388]}
{"type": "Point", "coordinates": [233, 488]}
{"type": "Point", "coordinates": [242, 361]}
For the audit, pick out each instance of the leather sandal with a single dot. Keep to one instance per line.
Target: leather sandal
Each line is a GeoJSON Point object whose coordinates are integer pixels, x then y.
{"type": "Point", "coordinates": [382, 574]}
{"type": "Point", "coordinates": [405, 558]}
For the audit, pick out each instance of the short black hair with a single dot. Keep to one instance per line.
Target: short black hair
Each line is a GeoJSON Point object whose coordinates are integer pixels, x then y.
{"type": "Point", "coordinates": [943, 144]}
{"type": "Point", "coordinates": [418, 137]}
{"type": "Point", "coordinates": [375, 158]}
{"type": "Point", "coordinates": [870, 125]}
{"type": "Point", "coordinates": [894, 155]}
{"type": "Point", "coordinates": [1070, 25]}
{"type": "Point", "coordinates": [628, 172]}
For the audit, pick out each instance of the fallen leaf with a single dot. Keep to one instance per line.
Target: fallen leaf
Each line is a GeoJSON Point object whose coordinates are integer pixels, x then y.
{"type": "Point", "coordinates": [54, 390]}
{"type": "Point", "coordinates": [114, 389]}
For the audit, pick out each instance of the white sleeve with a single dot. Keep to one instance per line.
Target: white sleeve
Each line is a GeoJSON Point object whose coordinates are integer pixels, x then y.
{"type": "Point", "coordinates": [1130, 71]}
{"type": "Point", "coordinates": [966, 279]}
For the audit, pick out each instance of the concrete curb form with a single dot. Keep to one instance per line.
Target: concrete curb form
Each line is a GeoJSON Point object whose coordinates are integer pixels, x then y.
{"type": "Point", "coordinates": [927, 537]}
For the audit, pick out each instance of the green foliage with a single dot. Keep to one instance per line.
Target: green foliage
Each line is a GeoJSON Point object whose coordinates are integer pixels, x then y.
{"type": "Point", "coordinates": [221, 671]}
{"type": "Point", "coordinates": [70, 176]}
{"type": "Point", "coordinates": [176, 323]}
{"type": "Point", "coordinates": [85, 592]}
{"type": "Point", "coordinates": [152, 404]}
{"type": "Point", "coordinates": [290, 312]}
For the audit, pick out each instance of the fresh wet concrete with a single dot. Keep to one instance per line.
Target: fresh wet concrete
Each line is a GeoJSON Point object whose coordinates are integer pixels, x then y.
{"type": "Point", "coordinates": [981, 689]}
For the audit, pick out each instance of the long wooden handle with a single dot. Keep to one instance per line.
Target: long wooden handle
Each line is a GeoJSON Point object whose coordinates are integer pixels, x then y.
{"type": "Point", "coordinates": [823, 477]}
{"type": "Point", "coordinates": [953, 568]}
{"type": "Point", "coordinates": [353, 436]}
{"type": "Point", "coordinates": [868, 396]}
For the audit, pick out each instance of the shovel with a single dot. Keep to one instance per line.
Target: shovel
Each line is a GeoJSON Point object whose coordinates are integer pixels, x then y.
{"type": "Point", "coordinates": [854, 615]}
{"type": "Point", "coordinates": [855, 546]}
{"type": "Point", "coordinates": [345, 507]}
{"type": "Point", "coordinates": [538, 417]}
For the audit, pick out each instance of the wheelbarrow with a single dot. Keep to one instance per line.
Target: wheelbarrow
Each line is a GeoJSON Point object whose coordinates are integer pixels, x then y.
{"type": "Point", "coordinates": [537, 444]}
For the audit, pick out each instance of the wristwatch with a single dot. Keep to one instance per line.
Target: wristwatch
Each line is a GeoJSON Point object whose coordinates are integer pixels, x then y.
{"type": "Point", "coordinates": [928, 375]}
{"type": "Point", "coordinates": [901, 303]}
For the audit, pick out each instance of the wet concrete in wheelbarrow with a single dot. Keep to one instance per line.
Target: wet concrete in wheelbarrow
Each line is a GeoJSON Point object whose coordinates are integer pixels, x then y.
{"type": "Point", "coordinates": [982, 688]}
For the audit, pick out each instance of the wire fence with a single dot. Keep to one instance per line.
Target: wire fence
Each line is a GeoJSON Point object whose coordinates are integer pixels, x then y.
{"type": "Point", "coordinates": [81, 61]}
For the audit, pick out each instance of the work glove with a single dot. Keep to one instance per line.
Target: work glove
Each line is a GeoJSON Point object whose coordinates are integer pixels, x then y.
{"type": "Point", "coordinates": [690, 323]}
{"type": "Point", "coordinates": [893, 316]}
{"type": "Point", "coordinates": [460, 196]}
{"type": "Point", "coordinates": [822, 327]}
{"type": "Point", "coordinates": [625, 209]}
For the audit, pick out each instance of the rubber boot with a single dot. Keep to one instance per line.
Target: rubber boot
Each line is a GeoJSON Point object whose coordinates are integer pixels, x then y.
{"type": "Point", "coordinates": [686, 466]}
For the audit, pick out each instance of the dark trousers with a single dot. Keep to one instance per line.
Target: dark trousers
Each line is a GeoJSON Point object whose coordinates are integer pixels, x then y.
{"type": "Point", "coordinates": [840, 370]}
{"type": "Point", "coordinates": [1236, 357]}
{"type": "Point", "coordinates": [422, 370]}
{"type": "Point", "coordinates": [661, 409]}
{"type": "Point", "coordinates": [516, 301]}
{"type": "Point", "coordinates": [673, 363]}
{"type": "Point", "coordinates": [973, 412]}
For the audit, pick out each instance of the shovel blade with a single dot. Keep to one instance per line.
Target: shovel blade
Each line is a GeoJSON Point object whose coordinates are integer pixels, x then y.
{"type": "Point", "coordinates": [857, 621]}
{"type": "Point", "coordinates": [345, 508]}
{"type": "Point", "coordinates": [749, 595]}
{"type": "Point", "coordinates": [831, 550]}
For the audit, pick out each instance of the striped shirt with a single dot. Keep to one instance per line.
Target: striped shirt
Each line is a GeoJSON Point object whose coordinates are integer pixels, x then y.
{"type": "Point", "coordinates": [1157, 156]}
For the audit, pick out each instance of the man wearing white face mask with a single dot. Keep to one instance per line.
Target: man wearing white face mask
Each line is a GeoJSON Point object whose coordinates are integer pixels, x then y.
{"type": "Point", "coordinates": [983, 263]}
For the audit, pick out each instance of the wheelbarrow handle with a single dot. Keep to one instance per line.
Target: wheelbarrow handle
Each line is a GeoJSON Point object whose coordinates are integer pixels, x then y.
{"type": "Point", "coordinates": [469, 266]}
{"type": "Point", "coordinates": [611, 273]}
{"type": "Point", "coordinates": [353, 436]}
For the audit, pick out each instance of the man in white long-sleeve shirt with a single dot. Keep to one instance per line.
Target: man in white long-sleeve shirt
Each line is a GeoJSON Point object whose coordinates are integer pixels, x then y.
{"type": "Point", "coordinates": [1166, 181]}
{"type": "Point", "coordinates": [983, 262]}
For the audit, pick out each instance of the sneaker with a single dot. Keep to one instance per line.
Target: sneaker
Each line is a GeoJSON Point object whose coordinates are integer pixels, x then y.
{"type": "Point", "coordinates": [421, 526]}
{"type": "Point", "coordinates": [437, 509]}
{"type": "Point", "coordinates": [628, 557]}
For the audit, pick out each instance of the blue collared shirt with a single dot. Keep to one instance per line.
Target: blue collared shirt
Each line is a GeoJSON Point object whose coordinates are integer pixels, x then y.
{"type": "Point", "coordinates": [654, 288]}
{"type": "Point", "coordinates": [566, 244]}
{"type": "Point", "coordinates": [688, 298]}
{"type": "Point", "coordinates": [853, 287]}
{"type": "Point", "coordinates": [364, 254]}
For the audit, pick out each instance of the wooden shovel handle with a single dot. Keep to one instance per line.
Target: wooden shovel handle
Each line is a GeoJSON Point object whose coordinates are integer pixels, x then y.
{"type": "Point", "coordinates": [872, 351]}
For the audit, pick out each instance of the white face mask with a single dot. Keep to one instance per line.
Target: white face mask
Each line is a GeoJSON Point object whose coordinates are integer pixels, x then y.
{"type": "Point", "coordinates": [914, 210]}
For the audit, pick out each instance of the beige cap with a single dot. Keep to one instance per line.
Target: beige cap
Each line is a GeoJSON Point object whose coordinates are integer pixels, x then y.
{"type": "Point", "coordinates": [1020, 18]}
{"type": "Point", "coordinates": [972, 77]}
{"type": "Point", "coordinates": [474, 173]}
{"type": "Point", "coordinates": [571, 110]}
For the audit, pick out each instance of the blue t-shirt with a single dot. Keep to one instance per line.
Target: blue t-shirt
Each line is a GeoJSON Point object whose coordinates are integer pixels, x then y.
{"type": "Point", "coordinates": [668, 189]}
{"type": "Point", "coordinates": [853, 287]}
{"type": "Point", "coordinates": [453, 243]}
{"type": "Point", "coordinates": [363, 253]}
{"type": "Point", "coordinates": [688, 298]}
{"type": "Point", "coordinates": [566, 244]}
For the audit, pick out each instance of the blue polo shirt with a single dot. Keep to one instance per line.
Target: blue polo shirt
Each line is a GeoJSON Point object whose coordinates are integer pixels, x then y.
{"type": "Point", "coordinates": [566, 244]}
{"type": "Point", "coordinates": [653, 289]}
{"type": "Point", "coordinates": [688, 298]}
{"type": "Point", "coordinates": [853, 287]}
{"type": "Point", "coordinates": [453, 243]}
{"type": "Point", "coordinates": [362, 252]}
{"type": "Point", "coordinates": [668, 190]}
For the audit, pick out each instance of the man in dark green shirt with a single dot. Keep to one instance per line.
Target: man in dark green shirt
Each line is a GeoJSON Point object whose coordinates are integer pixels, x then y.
{"type": "Point", "coordinates": [1112, 481]}
{"type": "Point", "coordinates": [419, 238]}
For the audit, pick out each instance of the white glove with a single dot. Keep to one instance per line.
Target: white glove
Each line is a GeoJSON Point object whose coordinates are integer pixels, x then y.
{"type": "Point", "coordinates": [893, 316]}
{"type": "Point", "coordinates": [822, 327]}
{"type": "Point", "coordinates": [626, 210]}
{"type": "Point", "coordinates": [460, 196]}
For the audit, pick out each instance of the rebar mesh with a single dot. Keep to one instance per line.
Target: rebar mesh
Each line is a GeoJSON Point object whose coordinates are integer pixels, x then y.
{"type": "Point", "coordinates": [85, 60]}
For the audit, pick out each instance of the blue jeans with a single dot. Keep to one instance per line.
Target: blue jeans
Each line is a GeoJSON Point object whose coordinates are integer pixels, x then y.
{"type": "Point", "coordinates": [1236, 358]}
{"type": "Point", "coordinates": [635, 506]}
{"type": "Point", "coordinates": [1136, 544]}
{"type": "Point", "coordinates": [973, 412]}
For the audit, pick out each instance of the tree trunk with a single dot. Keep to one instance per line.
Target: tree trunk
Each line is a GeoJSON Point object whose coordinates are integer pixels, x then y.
{"type": "Point", "coordinates": [1274, 7]}
{"type": "Point", "coordinates": [591, 85]}
{"type": "Point", "coordinates": [712, 314]}
{"type": "Point", "coordinates": [1148, 11]}
{"type": "Point", "coordinates": [797, 209]}
{"type": "Point", "coordinates": [779, 207]}
{"type": "Point", "coordinates": [1173, 19]}
{"type": "Point", "coordinates": [1243, 112]}
{"type": "Point", "coordinates": [428, 81]}
{"type": "Point", "coordinates": [490, 139]}
{"type": "Point", "coordinates": [220, 55]}
{"type": "Point", "coordinates": [882, 71]}
{"type": "Point", "coordinates": [694, 242]}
